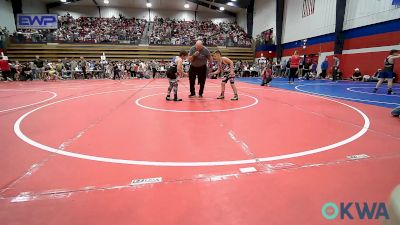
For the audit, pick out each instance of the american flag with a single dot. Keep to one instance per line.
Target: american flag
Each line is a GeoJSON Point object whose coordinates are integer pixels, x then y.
{"type": "Point", "coordinates": [308, 7]}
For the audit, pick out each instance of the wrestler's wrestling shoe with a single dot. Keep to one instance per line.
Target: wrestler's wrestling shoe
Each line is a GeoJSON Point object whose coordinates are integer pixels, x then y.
{"type": "Point", "coordinates": [176, 99]}
{"type": "Point", "coordinates": [168, 98]}
{"type": "Point", "coordinates": [221, 97]}
{"type": "Point", "coordinates": [235, 98]}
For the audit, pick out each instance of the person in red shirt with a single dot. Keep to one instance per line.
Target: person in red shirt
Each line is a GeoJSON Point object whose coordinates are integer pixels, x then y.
{"type": "Point", "coordinates": [5, 70]}
{"type": "Point", "coordinates": [294, 66]}
{"type": "Point", "coordinates": [266, 75]}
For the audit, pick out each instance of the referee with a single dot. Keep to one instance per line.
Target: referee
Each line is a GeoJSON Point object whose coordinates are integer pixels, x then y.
{"type": "Point", "coordinates": [198, 56]}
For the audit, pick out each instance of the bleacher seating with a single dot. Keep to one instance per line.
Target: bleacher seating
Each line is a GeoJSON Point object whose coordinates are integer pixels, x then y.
{"type": "Point", "coordinates": [53, 52]}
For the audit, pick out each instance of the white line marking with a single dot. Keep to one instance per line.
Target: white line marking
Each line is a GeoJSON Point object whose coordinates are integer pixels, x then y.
{"type": "Point", "coordinates": [241, 143]}
{"type": "Point", "coordinates": [137, 102]}
{"type": "Point", "coordinates": [22, 136]}
{"type": "Point", "coordinates": [146, 181]}
{"type": "Point", "coordinates": [223, 177]}
{"type": "Point", "coordinates": [27, 196]}
{"type": "Point", "coordinates": [248, 170]}
{"type": "Point", "coordinates": [360, 156]}
{"type": "Point", "coordinates": [24, 106]}
{"type": "Point", "coordinates": [364, 92]}
{"type": "Point", "coordinates": [334, 96]}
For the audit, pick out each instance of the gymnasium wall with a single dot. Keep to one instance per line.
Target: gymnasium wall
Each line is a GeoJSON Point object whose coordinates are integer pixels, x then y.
{"type": "Point", "coordinates": [317, 29]}
{"type": "Point", "coordinates": [6, 15]}
{"type": "Point", "coordinates": [371, 27]}
{"type": "Point", "coordinates": [295, 27]}
{"type": "Point", "coordinates": [242, 19]}
{"type": "Point", "coordinates": [366, 47]}
{"type": "Point", "coordinates": [361, 13]}
{"type": "Point", "coordinates": [33, 6]}
{"type": "Point", "coordinates": [264, 16]}
{"type": "Point", "coordinates": [89, 11]}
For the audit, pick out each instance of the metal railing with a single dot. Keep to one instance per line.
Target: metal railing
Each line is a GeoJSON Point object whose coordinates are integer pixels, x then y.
{"type": "Point", "coordinates": [25, 38]}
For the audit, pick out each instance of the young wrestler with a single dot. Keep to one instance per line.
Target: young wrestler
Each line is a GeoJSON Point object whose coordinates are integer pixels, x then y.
{"type": "Point", "coordinates": [388, 71]}
{"type": "Point", "coordinates": [225, 67]}
{"type": "Point", "coordinates": [172, 72]}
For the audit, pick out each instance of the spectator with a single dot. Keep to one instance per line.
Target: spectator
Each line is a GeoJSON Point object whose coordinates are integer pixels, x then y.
{"type": "Point", "coordinates": [374, 78]}
{"type": "Point", "coordinates": [294, 66]}
{"type": "Point", "coordinates": [324, 68]}
{"type": "Point", "coordinates": [335, 68]}
{"type": "Point", "coordinates": [39, 66]}
{"type": "Point", "coordinates": [357, 76]}
{"type": "Point", "coordinates": [307, 69]}
{"type": "Point", "coordinates": [26, 73]}
{"type": "Point", "coordinates": [6, 70]}
{"type": "Point", "coordinates": [314, 69]}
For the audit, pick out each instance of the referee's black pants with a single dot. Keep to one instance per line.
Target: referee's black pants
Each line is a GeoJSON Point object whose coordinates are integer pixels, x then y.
{"type": "Point", "coordinates": [201, 73]}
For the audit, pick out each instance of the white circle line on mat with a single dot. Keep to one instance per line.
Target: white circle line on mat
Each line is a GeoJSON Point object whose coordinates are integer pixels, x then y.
{"type": "Point", "coordinates": [137, 102]}
{"type": "Point", "coordinates": [24, 106]}
{"type": "Point", "coordinates": [368, 93]}
{"type": "Point", "coordinates": [22, 136]}
{"type": "Point", "coordinates": [334, 96]}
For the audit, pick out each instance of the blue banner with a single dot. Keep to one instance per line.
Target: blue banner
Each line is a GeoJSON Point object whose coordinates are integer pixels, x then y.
{"type": "Point", "coordinates": [396, 2]}
{"type": "Point", "coordinates": [37, 21]}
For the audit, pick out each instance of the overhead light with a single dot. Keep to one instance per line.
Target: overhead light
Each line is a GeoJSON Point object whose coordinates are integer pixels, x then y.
{"type": "Point", "coordinates": [233, 0]}
{"type": "Point", "coordinates": [186, 5]}
{"type": "Point", "coordinates": [230, 4]}
{"type": "Point", "coordinates": [106, 2]}
{"type": "Point", "coordinates": [64, 1]}
{"type": "Point", "coordinates": [221, 8]}
{"type": "Point", "coordinates": [148, 4]}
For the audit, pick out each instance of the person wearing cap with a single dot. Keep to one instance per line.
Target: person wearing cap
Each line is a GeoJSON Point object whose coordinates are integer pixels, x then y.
{"type": "Point", "coordinates": [357, 76]}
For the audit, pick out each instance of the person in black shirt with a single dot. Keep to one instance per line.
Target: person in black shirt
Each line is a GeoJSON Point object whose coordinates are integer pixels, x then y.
{"type": "Point", "coordinates": [357, 76]}
{"type": "Point", "coordinates": [26, 73]}
{"type": "Point", "coordinates": [116, 71]}
{"type": "Point", "coordinates": [40, 69]}
{"type": "Point", "coordinates": [307, 69]}
{"type": "Point", "coordinates": [388, 71]}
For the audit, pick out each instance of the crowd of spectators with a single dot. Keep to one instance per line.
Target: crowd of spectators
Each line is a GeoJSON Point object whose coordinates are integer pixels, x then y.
{"type": "Point", "coordinates": [180, 32]}
{"type": "Point", "coordinates": [266, 37]}
{"type": "Point", "coordinates": [81, 68]}
{"type": "Point", "coordinates": [163, 31]}
{"type": "Point", "coordinates": [88, 29]}
{"type": "Point", "coordinates": [4, 33]}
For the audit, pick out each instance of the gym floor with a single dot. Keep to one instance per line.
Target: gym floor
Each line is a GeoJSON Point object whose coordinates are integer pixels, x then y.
{"type": "Point", "coordinates": [115, 152]}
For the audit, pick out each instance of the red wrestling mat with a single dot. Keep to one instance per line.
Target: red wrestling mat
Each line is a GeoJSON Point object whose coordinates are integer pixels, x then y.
{"type": "Point", "coordinates": [71, 150]}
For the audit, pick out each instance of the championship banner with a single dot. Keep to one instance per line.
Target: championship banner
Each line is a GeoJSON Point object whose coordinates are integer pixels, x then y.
{"type": "Point", "coordinates": [37, 21]}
